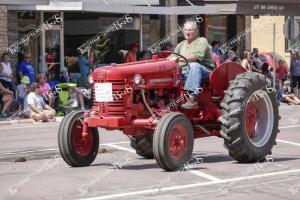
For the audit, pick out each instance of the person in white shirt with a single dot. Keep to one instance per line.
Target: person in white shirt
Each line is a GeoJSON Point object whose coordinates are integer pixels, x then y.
{"type": "Point", "coordinates": [246, 61]}
{"type": "Point", "coordinates": [35, 107]}
{"type": "Point", "coordinates": [5, 72]}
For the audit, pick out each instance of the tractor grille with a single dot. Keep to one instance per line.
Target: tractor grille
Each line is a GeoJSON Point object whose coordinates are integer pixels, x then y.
{"type": "Point", "coordinates": [117, 107]}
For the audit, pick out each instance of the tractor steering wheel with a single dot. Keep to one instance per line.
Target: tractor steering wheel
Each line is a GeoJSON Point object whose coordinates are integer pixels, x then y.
{"type": "Point", "coordinates": [177, 54]}
{"type": "Point", "coordinates": [184, 58]}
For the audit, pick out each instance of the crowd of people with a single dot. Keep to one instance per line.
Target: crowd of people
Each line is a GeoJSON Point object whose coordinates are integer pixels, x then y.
{"type": "Point", "coordinates": [287, 79]}
{"type": "Point", "coordinates": [37, 95]}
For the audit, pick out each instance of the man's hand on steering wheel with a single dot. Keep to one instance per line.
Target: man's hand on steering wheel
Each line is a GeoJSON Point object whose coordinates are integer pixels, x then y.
{"type": "Point", "coordinates": [181, 58]}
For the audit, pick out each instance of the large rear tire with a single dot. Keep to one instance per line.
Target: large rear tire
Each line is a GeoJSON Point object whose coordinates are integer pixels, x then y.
{"type": "Point", "coordinates": [143, 145]}
{"type": "Point", "coordinates": [173, 141]}
{"type": "Point", "coordinates": [76, 151]}
{"type": "Point", "coordinates": [250, 117]}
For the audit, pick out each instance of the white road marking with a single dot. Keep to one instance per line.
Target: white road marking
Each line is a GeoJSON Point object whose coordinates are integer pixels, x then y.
{"type": "Point", "coordinates": [42, 150]}
{"type": "Point", "coordinates": [195, 172]}
{"type": "Point", "coordinates": [121, 148]}
{"type": "Point", "coordinates": [194, 185]}
{"type": "Point", "coordinates": [288, 142]}
{"type": "Point", "coordinates": [204, 175]}
{"type": "Point", "coordinates": [283, 127]}
{"type": "Point", "coordinates": [17, 127]}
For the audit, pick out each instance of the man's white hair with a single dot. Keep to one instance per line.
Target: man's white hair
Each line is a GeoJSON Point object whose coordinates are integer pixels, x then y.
{"type": "Point", "coordinates": [193, 23]}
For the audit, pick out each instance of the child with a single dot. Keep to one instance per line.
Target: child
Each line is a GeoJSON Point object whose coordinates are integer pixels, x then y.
{"type": "Point", "coordinates": [22, 91]}
{"type": "Point", "coordinates": [285, 96]}
{"type": "Point", "coordinates": [45, 90]}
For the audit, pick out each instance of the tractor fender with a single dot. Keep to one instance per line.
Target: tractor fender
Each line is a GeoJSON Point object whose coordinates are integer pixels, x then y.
{"type": "Point", "coordinates": [221, 75]}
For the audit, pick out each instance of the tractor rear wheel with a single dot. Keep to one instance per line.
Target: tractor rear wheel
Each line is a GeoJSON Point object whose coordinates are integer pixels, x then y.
{"type": "Point", "coordinates": [143, 145]}
{"type": "Point", "coordinates": [173, 141]}
{"type": "Point", "coordinates": [75, 150]}
{"type": "Point", "coordinates": [249, 117]}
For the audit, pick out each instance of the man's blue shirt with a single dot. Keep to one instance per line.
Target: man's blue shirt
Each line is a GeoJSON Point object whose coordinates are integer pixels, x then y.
{"type": "Point", "coordinates": [83, 65]}
{"type": "Point", "coordinates": [27, 69]}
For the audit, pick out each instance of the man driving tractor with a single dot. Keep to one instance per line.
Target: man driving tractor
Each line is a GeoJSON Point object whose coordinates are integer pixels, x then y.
{"type": "Point", "coordinates": [198, 53]}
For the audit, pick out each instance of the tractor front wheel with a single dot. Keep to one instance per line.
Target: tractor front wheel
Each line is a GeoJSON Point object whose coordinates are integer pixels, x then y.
{"type": "Point", "coordinates": [74, 149]}
{"type": "Point", "coordinates": [249, 117]}
{"type": "Point", "coordinates": [173, 141]}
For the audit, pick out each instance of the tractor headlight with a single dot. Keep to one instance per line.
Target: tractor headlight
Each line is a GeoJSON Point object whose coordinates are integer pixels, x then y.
{"type": "Point", "coordinates": [137, 79]}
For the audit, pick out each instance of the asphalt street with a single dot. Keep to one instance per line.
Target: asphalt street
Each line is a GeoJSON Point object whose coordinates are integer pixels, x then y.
{"type": "Point", "coordinates": [118, 173]}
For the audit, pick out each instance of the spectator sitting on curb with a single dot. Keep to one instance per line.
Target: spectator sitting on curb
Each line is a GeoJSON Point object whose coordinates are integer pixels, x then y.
{"type": "Point", "coordinates": [285, 96]}
{"type": "Point", "coordinates": [76, 94]}
{"type": "Point", "coordinates": [35, 108]}
{"type": "Point", "coordinates": [6, 97]}
{"type": "Point", "coordinates": [45, 90]}
{"type": "Point", "coordinates": [22, 90]}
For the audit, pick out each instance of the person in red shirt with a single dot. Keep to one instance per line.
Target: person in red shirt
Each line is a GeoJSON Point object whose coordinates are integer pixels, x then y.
{"type": "Point", "coordinates": [281, 71]}
{"type": "Point", "coordinates": [132, 54]}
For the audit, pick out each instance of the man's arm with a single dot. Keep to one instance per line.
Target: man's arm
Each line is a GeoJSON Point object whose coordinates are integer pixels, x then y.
{"type": "Point", "coordinates": [20, 70]}
{"type": "Point", "coordinates": [190, 59]}
{"type": "Point", "coordinates": [1, 70]}
{"type": "Point", "coordinates": [255, 69]}
{"type": "Point", "coordinates": [47, 107]}
{"type": "Point", "coordinates": [174, 57]}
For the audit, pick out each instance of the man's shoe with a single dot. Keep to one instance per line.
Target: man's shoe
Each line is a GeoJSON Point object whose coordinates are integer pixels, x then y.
{"type": "Point", "coordinates": [190, 104]}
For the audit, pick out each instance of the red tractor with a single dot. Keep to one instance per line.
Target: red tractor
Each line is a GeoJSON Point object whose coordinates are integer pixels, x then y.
{"type": "Point", "coordinates": [143, 100]}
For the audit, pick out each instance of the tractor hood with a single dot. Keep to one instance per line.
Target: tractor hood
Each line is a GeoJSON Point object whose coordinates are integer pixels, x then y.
{"type": "Point", "coordinates": [153, 68]}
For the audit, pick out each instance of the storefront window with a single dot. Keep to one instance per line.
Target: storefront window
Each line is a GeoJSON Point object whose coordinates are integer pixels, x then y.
{"type": "Point", "coordinates": [52, 49]}
{"type": "Point", "coordinates": [52, 41]}
{"type": "Point", "coordinates": [216, 29]}
{"type": "Point", "coordinates": [293, 44]}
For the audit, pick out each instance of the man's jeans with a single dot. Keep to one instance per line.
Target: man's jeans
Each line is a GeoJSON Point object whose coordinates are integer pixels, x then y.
{"type": "Point", "coordinates": [195, 74]}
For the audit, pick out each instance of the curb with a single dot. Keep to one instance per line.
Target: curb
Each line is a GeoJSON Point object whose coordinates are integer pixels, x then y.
{"type": "Point", "coordinates": [23, 121]}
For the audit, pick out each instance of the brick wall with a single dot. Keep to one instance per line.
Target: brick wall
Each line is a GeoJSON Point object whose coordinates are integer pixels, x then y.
{"type": "Point", "coordinates": [12, 28]}
{"type": "Point", "coordinates": [3, 29]}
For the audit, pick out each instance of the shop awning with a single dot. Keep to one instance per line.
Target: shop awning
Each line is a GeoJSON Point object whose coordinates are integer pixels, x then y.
{"type": "Point", "coordinates": [116, 6]}
{"type": "Point", "coordinates": [24, 2]}
{"type": "Point", "coordinates": [213, 7]}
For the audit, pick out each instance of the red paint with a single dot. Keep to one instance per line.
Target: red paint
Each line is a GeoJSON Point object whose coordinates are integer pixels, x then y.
{"type": "Point", "coordinates": [82, 146]}
{"type": "Point", "coordinates": [177, 141]}
{"type": "Point", "coordinates": [251, 119]}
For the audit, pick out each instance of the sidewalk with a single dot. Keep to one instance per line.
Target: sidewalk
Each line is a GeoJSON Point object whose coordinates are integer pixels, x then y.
{"type": "Point", "coordinates": [6, 121]}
